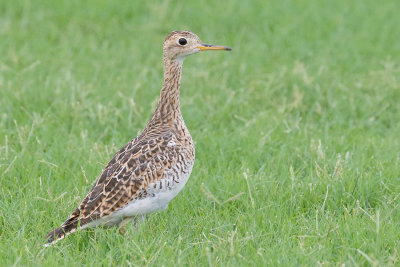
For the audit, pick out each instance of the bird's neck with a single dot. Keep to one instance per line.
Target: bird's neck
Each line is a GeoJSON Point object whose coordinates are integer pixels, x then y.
{"type": "Point", "coordinates": [168, 108]}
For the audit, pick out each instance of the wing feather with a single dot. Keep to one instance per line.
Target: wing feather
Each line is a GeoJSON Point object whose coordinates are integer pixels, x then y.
{"type": "Point", "coordinates": [126, 176]}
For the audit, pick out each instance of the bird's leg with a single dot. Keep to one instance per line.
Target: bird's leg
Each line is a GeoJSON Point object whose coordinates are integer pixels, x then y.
{"type": "Point", "coordinates": [123, 223]}
{"type": "Point", "coordinates": [137, 221]}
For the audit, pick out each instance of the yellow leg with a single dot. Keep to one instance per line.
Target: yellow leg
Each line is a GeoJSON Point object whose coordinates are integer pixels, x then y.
{"type": "Point", "coordinates": [125, 221]}
{"type": "Point", "coordinates": [122, 225]}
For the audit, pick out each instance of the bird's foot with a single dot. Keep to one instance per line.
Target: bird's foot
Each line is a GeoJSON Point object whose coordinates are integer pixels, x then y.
{"type": "Point", "coordinates": [122, 225]}
{"type": "Point", "coordinates": [122, 230]}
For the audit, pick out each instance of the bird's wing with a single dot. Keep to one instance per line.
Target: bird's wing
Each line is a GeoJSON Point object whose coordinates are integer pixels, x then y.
{"type": "Point", "coordinates": [132, 169]}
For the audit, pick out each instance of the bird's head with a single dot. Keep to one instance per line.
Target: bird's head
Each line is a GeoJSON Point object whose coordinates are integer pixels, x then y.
{"type": "Point", "coordinates": [180, 44]}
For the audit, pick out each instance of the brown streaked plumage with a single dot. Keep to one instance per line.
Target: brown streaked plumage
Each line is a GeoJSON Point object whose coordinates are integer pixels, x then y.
{"type": "Point", "coordinates": [151, 169]}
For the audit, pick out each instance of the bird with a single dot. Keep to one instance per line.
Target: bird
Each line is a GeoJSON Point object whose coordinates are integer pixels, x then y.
{"type": "Point", "coordinates": [150, 170]}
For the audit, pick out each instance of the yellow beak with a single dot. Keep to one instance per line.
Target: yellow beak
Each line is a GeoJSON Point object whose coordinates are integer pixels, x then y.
{"type": "Point", "coordinates": [204, 47]}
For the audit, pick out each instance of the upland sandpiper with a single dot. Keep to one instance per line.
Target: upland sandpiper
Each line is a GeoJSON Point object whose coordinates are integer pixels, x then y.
{"type": "Point", "coordinates": [149, 171]}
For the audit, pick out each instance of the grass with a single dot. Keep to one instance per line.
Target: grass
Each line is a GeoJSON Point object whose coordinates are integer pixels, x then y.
{"type": "Point", "coordinates": [296, 130]}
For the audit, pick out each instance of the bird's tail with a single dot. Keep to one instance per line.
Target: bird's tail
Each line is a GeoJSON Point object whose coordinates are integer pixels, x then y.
{"type": "Point", "coordinates": [60, 233]}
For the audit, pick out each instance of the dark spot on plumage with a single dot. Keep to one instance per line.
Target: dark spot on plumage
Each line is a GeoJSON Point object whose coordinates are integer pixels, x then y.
{"type": "Point", "coordinates": [142, 143]}
{"type": "Point", "coordinates": [160, 172]}
{"type": "Point", "coordinates": [137, 182]}
{"type": "Point", "coordinates": [87, 210]}
{"type": "Point", "coordinates": [102, 177]}
{"type": "Point", "coordinates": [143, 167]}
{"type": "Point", "coordinates": [95, 191]}
{"type": "Point", "coordinates": [135, 149]}
{"type": "Point", "coordinates": [117, 195]}
{"type": "Point", "coordinates": [137, 172]}
{"type": "Point", "coordinates": [110, 202]}
{"type": "Point", "coordinates": [122, 173]}
{"type": "Point", "coordinates": [131, 163]}
{"type": "Point", "coordinates": [120, 156]}
{"type": "Point", "coordinates": [111, 184]}
{"type": "Point", "coordinates": [126, 177]}
{"type": "Point", "coordinates": [126, 157]}
{"type": "Point", "coordinates": [142, 159]}
{"type": "Point", "coordinates": [121, 150]}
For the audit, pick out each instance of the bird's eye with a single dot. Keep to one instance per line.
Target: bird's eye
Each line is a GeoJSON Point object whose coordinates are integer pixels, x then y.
{"type": "Point", "coordinates": [182, 41]}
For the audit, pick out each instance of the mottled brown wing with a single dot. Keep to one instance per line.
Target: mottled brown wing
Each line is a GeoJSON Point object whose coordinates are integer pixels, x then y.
{"type": "Point", "coordinates": [131, 170]}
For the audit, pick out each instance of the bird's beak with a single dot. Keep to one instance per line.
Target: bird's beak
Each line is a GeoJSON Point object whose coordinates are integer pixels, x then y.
{"type": "Point", "coordinates": [204, 47]}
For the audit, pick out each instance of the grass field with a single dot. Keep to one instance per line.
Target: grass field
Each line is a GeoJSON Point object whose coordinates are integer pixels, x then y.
{"type": "Point", "coordinates": [296, 130]}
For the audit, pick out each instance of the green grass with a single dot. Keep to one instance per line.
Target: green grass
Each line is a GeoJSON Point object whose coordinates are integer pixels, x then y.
{"type": "Point", "coordinates": [296, 130]}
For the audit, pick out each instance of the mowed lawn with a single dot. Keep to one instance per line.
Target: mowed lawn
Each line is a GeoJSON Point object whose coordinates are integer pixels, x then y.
{"type": "Point", "coordinates": [297, 130]}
